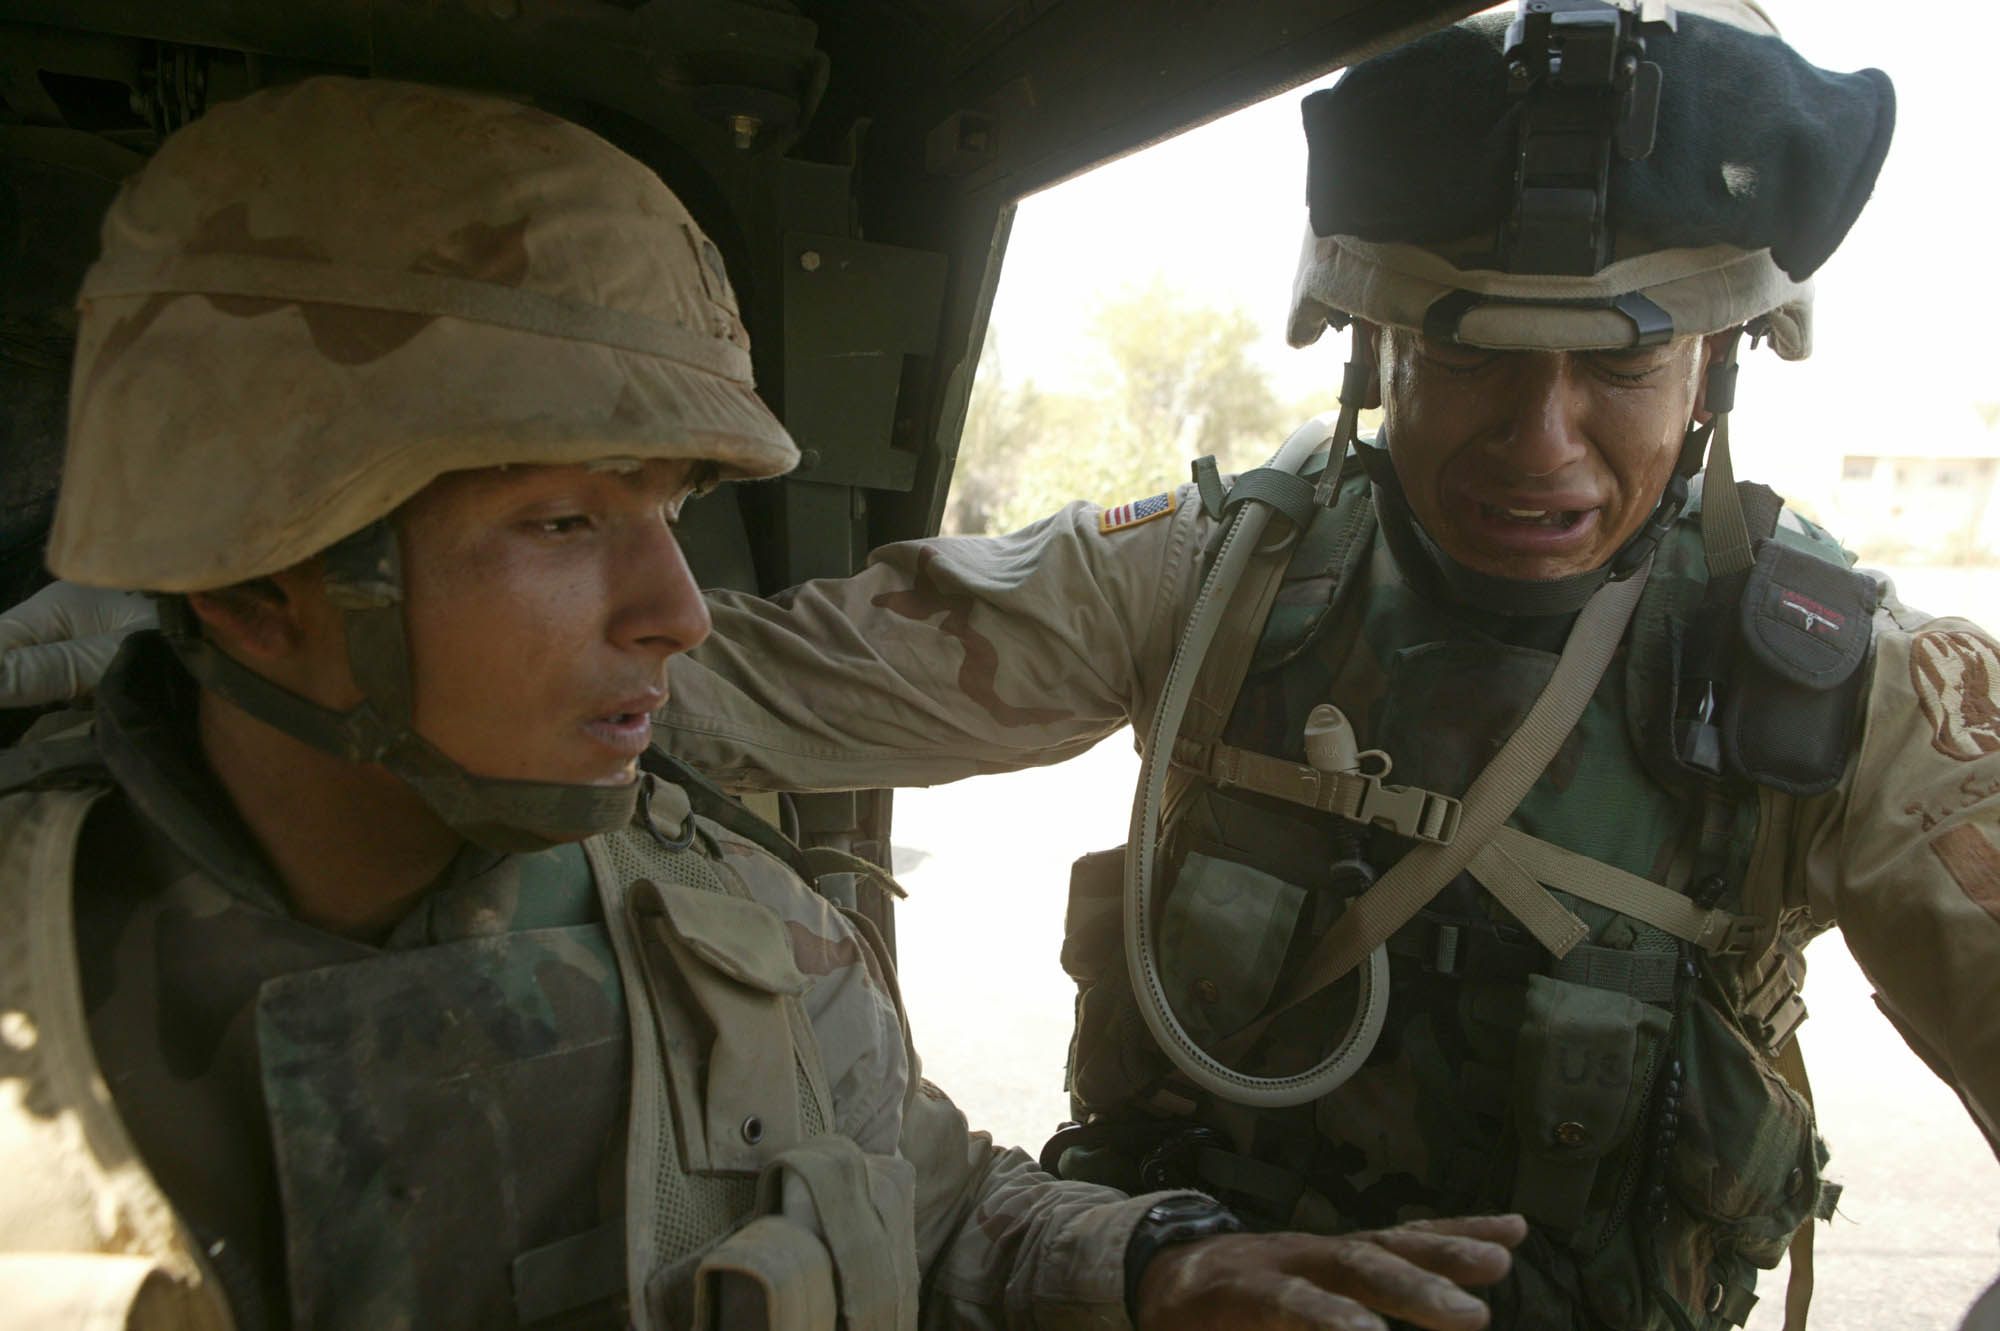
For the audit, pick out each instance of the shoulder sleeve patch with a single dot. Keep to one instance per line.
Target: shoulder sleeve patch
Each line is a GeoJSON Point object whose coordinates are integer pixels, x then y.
{"type": "Point", "coordinates": [1136, 512]}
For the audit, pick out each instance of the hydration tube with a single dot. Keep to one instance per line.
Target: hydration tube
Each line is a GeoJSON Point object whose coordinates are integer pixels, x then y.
{"type": "Point", "coordinates": [1239, 543]}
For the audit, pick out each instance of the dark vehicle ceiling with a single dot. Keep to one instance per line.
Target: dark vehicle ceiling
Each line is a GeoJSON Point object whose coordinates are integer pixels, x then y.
{"type": "Point", "coordinates": [857, 163]}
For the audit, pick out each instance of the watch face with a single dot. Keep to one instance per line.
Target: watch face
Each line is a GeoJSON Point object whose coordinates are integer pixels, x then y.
{"type": "Point", "coordinates": [1183, 1208]}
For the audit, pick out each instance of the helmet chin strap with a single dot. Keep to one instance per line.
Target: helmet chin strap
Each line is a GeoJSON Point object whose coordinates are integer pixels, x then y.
{"type": "Point", "coordinates": [364, 580]}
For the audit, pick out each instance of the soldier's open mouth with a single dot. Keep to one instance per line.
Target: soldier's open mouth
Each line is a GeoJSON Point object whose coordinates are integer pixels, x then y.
{"type": "Point", "coordinates": [1561, 519]}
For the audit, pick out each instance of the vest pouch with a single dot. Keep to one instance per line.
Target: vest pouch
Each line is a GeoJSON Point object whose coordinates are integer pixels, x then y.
{"type": "Point", "coordinates": [1094, 921]}
{"type": "Point", "coordinates": [1223, 939]}
{"type": "Point", "coordinates": [771, 1275]}
{"type": "Point", "coordinates": [721, 982]}
{"type": "Point", "coordinates": [1789, 713]}
{"type": "Point", "coordinates": [1585, 1063]}
{"type": "Point", "coordinates": [864, 1208]}
{"type": "Point", "coordinates": [1747, 1158]}
{"type": "Point", "coordinates": [1112, 1056]}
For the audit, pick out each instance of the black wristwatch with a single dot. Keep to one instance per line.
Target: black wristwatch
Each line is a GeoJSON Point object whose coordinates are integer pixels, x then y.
{"type": "Point", "coordinates": [1180, 1219]}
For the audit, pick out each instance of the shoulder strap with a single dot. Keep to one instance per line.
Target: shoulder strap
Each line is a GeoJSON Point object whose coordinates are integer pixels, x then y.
{"type": "Point", "coordinates": [810, 863]}
{"type": "Point", "coordinates": [712, 802]}
{"type": "Point", "coordinates": [1223, 669]}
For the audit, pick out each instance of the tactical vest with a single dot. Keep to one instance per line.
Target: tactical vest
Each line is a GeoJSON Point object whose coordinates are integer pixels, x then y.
{"type": "Point", "coordinates": [740, 1208]}
{"type": "Point", "coordinates": [1625, 1096]}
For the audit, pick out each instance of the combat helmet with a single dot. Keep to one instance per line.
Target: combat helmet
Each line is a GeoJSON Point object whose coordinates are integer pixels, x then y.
{"type": "Point", "coordinates": [1587, 176]}
{"type": "Point", "coordinates": [315, 301]}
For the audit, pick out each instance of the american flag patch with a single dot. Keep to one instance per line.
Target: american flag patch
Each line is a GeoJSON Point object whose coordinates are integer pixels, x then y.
{"type": "Point", "coordinates": [1132, 514]}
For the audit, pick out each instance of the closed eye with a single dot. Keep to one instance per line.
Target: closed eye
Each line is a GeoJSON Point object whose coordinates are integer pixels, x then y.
{"type": "Point", "coordinates": [1462, 368]}
{"type": "Point", "coordinates": [1625, 369]}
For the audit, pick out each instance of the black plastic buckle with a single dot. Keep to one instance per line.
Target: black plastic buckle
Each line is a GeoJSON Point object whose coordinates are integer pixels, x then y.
{"type": "Point", "coordinates": [1651, 325]}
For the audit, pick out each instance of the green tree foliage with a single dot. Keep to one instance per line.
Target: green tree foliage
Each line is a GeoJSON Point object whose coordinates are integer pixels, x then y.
{"type": "Point", "coordinates": [1177, 381]}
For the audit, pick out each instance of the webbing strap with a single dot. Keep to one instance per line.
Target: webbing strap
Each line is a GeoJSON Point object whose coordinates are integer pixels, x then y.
{"type": "Point", "coordinates": [1290, 494]}
{"type": "Point", "coordinates": [1423, 872]}
{"type": "Point", "coordinates": [1627, 893]}
{"type": "Point", "coordinates": [269, 277]}
{"type": "Point", "coordinates": [1791, 1063]}
{"type": "Point", "coordinates": [1227, 661]}
{"type": "Point", "coordinates": [1409, 811]}
{"type": "Point", "coordinates": [1725, 533]}
{"type": "Point", "coordinates": [1649, 977]}
{"type": "Point", "coordinates": [1553, 924]}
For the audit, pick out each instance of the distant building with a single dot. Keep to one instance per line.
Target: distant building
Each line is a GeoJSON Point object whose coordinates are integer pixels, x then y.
{"type": "Point", "coordinates": [1923, 497]}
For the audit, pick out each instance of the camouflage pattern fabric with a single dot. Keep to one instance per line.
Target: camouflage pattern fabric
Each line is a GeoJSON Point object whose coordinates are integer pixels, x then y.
{"type": "Point", "coordinates": [1495, 1086]}
{"type": "Point", "coordinates": [409, 264]}
{"type": "Point", "coordinates": [948, 656]}
{"type": "Point", "coordinates": [484, 1038]}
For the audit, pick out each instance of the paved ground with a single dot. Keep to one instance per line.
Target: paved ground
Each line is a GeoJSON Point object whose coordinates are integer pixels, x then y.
{"type": "Point", "coordinates": [987, 861]}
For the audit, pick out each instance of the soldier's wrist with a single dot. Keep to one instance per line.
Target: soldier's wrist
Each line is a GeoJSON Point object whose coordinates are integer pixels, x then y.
{"type": "Point", "coordinates": [1168, 1222]}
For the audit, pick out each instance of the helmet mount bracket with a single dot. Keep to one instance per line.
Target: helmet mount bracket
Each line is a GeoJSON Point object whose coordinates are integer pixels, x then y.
{"type": "Point", "coordinates": [1589, 92]}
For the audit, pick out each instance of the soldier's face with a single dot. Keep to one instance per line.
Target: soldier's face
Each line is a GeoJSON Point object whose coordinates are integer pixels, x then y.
{"type": "Point", "coordinates": [542, 605]}
{"type": "Point", "coordinates": [1536, 465]}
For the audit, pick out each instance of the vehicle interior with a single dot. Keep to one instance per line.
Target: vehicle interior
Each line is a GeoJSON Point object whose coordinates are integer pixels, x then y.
{"type": "Point", "coordinates": [857, 161]}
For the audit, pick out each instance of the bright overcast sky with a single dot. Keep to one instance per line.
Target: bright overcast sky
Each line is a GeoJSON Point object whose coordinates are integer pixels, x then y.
{"type": "Point", "coordinates": [1220, 210]}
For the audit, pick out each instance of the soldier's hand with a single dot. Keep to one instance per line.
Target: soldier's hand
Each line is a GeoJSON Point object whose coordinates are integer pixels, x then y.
{"type": "Point", "coordinates": [1346, 1283]}
{"type": "Point", "coordinates": [55, 645]}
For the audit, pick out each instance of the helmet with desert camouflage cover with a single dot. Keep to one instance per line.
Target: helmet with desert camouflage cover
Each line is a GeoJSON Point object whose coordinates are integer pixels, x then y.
{"type": "Point", "coordinates": [315, 301]}
{"type": "Point", "coordinates": [1589, 176]}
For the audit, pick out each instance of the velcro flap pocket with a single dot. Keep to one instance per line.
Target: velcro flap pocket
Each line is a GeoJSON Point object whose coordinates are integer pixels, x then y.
{"type": "Point", "coordinates": [1223, 938]}
{"type": "Point", "coordinates": [863, 1207]}
{"type": "Point", "coordinates": [1748, 1156]}
{"type": "Point", "coordinates": [1807, 620]}
{"type": "Point", "coordinates": [1093, 923]}
{"type": "Point", "coordinates": [745, 941]}
{"type": "Point", "coordinates": [720, 973]}
{"type": "Point", "coordinates": [1580, 1080]}
{"type": "Point", "coordinates": [771, 1275]}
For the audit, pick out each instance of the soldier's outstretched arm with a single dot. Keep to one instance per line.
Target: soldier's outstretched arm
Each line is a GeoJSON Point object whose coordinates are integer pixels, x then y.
{"type": "Point", "coordinates": [943, 658]}
{"type": "Point", "coordinates": [1004, 1245]}
{"type": "Point", "coordinates": [1001, 1244]}
{"type": "Point", "coordinates": [1905, 856]}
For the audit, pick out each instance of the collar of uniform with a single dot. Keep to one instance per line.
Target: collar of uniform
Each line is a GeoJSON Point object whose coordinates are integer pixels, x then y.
{"type": "Point", "coordinates": [146, 708]}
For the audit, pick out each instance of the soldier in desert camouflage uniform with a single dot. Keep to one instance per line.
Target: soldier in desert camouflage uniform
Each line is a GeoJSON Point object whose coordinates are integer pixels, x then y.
{"type": "Point", "coordinates": [1591, 1020]}
{"type": "Point", "coordinates": [351, 974]}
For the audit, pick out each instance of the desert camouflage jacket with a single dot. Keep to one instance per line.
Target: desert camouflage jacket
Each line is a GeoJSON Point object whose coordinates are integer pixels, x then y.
{"type": "Point", "coordinates": [235, 1040]}
{"type": "Point", "coordinates": [948, 657]}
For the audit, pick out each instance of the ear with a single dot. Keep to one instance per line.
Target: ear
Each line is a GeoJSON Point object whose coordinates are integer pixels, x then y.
{"type": "Point", "coordinates": [257, 622]}
{"type": "Point", "coordinates": [1716, 349]}
{"type": "Point", "coordinates": [1369, 346]}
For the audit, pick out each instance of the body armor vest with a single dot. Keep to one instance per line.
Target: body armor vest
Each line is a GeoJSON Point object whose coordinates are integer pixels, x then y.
{"type": "Point", "coordinates": [1623, 1097]}
{"type": "Point", "coordinates": [424, 1105]}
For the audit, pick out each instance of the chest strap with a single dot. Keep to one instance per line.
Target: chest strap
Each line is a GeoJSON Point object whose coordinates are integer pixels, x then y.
{"type": "Point", "coordinates": [1714, 931]}
{"type": "Point", "coordinates": [1410, 811]}
{"type": "Point", "coordinates": [1421, 874]}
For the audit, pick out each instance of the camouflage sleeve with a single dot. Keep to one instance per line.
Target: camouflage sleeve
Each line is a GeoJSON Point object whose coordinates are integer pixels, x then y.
{"type": "Point", "coordinates": [1000, 1244]}
{"type": "Point", "coordinates": [942, 658]}
{"type": "Point", "coordinates": [1906, 856]}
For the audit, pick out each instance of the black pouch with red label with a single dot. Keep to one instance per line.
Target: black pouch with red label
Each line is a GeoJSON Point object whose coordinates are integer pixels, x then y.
{"type": "Point", "coordinates": [1805, 627]}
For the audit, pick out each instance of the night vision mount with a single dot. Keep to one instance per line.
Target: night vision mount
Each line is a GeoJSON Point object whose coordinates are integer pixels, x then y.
{"type": "Point", "coordinates": [1589, 91]}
